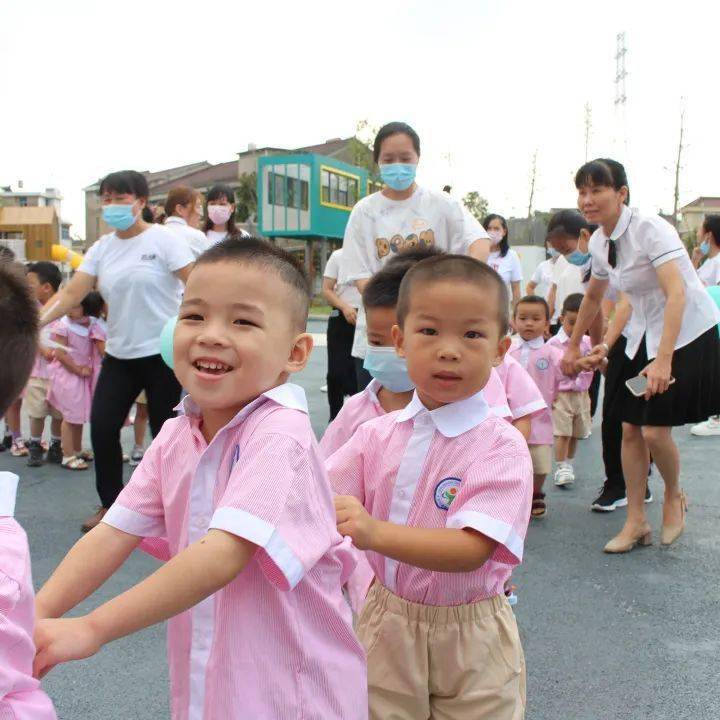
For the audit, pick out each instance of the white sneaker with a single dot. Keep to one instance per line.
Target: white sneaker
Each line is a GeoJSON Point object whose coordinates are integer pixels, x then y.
{"type": "Point", "coordinates": [705, 429]}
{"type": "Point", "coordinates": [564, 475]}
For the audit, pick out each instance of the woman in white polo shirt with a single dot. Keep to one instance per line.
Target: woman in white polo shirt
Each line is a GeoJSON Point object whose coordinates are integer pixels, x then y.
{"type": "Point", "coordinates": [139, 269]}
{"type": "Point", "coordinates": [402, 215]}
{"type": "Point", "coordinates": [502, 259]}
{"type": "Point", "coordinates": [671, 339]}
{"type": "Point", "coordinates": [183, 212]}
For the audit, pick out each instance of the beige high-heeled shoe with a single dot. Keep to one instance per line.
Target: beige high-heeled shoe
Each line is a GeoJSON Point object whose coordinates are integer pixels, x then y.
{"type": "Point", "coordinates": [670, 533]}
{"type": "Point", "coordinates": [620, 544]}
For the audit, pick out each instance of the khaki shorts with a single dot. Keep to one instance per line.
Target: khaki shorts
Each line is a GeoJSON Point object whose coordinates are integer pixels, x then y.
{"type": "Point", "coordinates": [35, 401]}
{"type": "Point", "coordinates": [571, 415]}
{"type": "Point", "coordinates": [541, 458]}
{"type": "Point", "coordinates": [463, 662]}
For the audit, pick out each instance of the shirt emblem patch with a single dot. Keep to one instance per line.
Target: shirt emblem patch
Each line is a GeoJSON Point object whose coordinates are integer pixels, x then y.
{"type": "Point", "coordinates": [542, 364]}
{"type": "Point", "coordinates": [446, 491]}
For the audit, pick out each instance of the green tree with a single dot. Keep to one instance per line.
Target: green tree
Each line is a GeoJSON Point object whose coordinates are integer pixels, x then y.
{"type": "Point", "coordinates": [360, 148]}
{"type": "Point", "coordinates": [476, 204]}
{"type": "Point", "coordinates": [246, 197]}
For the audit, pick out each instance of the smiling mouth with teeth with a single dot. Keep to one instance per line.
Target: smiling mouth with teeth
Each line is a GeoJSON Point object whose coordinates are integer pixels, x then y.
{"type": "Point", "coordinates": [212, 367]}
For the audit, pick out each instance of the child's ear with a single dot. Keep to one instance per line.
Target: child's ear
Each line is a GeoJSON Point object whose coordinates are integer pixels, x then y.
{"type": "Point", "coordinates": [502, 347]}
{"type": "Point", "coordinates": [399, 340]}
{"type": "Point", "coordinates": [299, 353]}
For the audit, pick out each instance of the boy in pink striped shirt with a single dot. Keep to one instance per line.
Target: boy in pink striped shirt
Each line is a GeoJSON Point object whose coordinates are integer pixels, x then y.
{"type": "Point", "coordinates": [20, 695]}
{"type": "Point", "coordinates": [438, 494]}
{"type": "Point", "coordinates": [571, 412]}
{"type": "Point", "coordinates": [236, 485]}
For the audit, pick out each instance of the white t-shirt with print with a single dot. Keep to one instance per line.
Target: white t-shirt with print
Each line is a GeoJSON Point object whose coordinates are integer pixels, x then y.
{"type": "Point", "coordinates": [709, 271]}
{"type": "Point", "coordinates": [568, 279]}
{"type": "Point", "coordinates": [348, 291]}
{"type": "Point", "coordinates": [508, 267]}
{"type": "Point", "coordinates": [379, 228]}
{"type": "Point", "coordinates": [135, 277]}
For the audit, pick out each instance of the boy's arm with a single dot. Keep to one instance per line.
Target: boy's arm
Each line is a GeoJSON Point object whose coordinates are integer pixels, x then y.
{"type": "Point", "coordinates": [191, 576]}
{"type": "Point", "coordinates": [90, 562]}
{"type": "Point", "coordinates": [438, 549]}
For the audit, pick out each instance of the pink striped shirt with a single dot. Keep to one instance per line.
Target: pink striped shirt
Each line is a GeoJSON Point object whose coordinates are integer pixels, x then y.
{"type": "Point", "coordinates": [582, 381]}
{"type": "Point", "coordinates": [20, 695]}
{"type": "Point", "coordinates": [542, 363]}
{"type": "Point", "coordinates": [455, 467]}
{"type": "Point", "coordinates": [276, 642]}
{"type": "Point", "coordinates": [522, 393]}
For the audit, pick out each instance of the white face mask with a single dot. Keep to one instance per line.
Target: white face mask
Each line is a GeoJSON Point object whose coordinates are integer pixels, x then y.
{"type": "Point", "coordinates": [496, 236]}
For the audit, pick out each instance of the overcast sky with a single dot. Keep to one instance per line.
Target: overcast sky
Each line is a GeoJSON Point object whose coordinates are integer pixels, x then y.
{"type": "Point", "coordinates": [88, 88]}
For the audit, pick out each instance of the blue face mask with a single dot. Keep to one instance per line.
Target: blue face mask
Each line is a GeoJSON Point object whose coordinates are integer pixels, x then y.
{"type": "Point", "coordinates": [577, 258]}
{"type": "Point", "coordinates": [388, 369]}
{"type": "Point", "coordinates": [120, 217]}
{"type": "Point", "coordinates": [704, 247]}
{"type": "Point", "coordinates": [553, 253]}
{"type": "Point", "coordinates": [398, 176]}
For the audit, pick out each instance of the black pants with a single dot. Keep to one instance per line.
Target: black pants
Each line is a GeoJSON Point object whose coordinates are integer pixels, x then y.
{"type": "Point", "coordinates": [341, 377]}
{"type": "Point", "coordinates": [363, 376]}
{"type": "Point", "coordinates": [594, 391]}
{"type": "Point", "coordinates": [120, 382]}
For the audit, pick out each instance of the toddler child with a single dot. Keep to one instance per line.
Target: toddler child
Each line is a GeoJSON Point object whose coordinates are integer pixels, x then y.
{"type": "Point", "coordinates": [571, 411]}
{"type": "Point", "coordinates": [44, 278]}
{"type": "Point", "coordinates": [237, 486]}
{"type": "Point", "coordinates": [20, 695]}
{"type": "Point", "coordinates": [438, 494]}
{"type": "Point", "coordinates": [71, 376]}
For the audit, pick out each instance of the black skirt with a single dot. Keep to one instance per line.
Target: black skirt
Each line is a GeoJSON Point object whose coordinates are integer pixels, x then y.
{"type": "Point", "coordinates": [692, 398]}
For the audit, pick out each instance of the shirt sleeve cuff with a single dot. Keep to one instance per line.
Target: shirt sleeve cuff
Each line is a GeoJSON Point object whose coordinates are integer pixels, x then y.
{"type": "Point", "coordinates": [529, 409]}
{"type": "Point", "coordinates": [493, 528]}
{"type": "Point", "coordinates": [261, 533]}
{"type": "Point", "coordinates": [133, 522]}
{"type": "Point", "coordinates": [667, 256]}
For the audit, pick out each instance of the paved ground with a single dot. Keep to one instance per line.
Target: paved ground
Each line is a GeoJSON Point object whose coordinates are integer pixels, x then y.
{"type": "Point", "coordinates": [606, 638]}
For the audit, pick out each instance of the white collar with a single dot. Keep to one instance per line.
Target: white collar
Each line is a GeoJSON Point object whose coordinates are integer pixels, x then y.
{"type": "Point", "coordinates": [535, 343]}
{"type": "Point", "coordinates": [621, 226]}
{"type": "Point", "coordinates": [562, 336]}
{"type": "Point", "coordinates": [175, 219]}
{"type": "Point", "coordinates": [453, 419]}
{"type": "Point", "coordinates": [77, 328]}
{"type": "Point", "coordinates": [288, 395]}
{"type": "Point", "coordinates": [8, 493]}
{"type": "Point", "coordinates": [372, 390]}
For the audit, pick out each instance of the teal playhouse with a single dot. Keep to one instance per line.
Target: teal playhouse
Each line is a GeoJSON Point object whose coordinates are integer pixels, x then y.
{"type": "Point", "coordinates": [309, 197]}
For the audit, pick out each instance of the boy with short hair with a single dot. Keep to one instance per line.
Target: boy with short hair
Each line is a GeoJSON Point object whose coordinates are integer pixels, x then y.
{"type": "Point", "coordinates": [44, 278]}
{"type": "Point", "coordinates": [20, 695]}
{"type": "Point", "coordinates": [237, 485]}
{"type": "Point", "coordinates": [571, 411]}
{"type": "Point", "coordinates": [438, 494]}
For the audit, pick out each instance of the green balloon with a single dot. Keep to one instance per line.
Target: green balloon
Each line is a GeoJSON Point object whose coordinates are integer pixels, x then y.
{"type": "Point", "coordinates": [166, 341]}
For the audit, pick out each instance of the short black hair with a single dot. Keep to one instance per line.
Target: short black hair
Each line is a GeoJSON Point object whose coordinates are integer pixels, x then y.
{"type": "Point", "coordinates": [505, 242]}
{"type": "Point", "coordinates": [572, 303]}
{"type": "Point", "coordinates": [569, 223]}
{"type": "Point", "coordinates": [711, 224]}
{"type": "Point", "coordinates": [603, 172]}
{"type": "Point", "coordinates": [383, 288]}
{"type": "Point", "coordinates": [533, 300]}
{"type": "Point", "coordinates": [265, 255]}
{"type": "Point", "coordinates": [125, 182]}
{"type": "Point", "coordinates": [394, 128]}
{"type": "Point", "coordinates": [47, 272]}
{"type": "Point", "coordinates": [93, 304]}
{"type": "Point", "coordinates": [460, 268]}
{"type": "Point", "coordinates": [18, 331]}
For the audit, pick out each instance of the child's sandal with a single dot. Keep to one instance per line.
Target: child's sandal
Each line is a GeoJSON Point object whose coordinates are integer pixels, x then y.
{"type": "Point", "coordinates": [75, 463]}
{"type": "Point", "coordinates": [539, 508]}
{"type": "Point", "coordinates": [86, 455]}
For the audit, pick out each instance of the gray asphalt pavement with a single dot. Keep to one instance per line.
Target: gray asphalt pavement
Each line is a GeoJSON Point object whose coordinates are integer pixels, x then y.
{"type": "Point", "coordinates": [605, 637]}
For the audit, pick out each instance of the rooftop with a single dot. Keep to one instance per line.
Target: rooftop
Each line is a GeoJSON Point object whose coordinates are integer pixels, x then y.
{"type": "Point", "coordinates": [27, 216]}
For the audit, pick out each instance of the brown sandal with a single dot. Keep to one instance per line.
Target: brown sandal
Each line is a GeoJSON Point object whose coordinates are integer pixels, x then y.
{"type": "Point", "coordinates": [539, 508]}
{"type": "Point", "coordinates": [75, 463]}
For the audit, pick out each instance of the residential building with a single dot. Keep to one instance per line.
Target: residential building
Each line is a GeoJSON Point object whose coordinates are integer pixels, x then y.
{"type": "Point", "coordinates": [693, 214]}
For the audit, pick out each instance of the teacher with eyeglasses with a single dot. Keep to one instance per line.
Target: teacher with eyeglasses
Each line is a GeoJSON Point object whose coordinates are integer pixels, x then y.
{"type": "Point", "coordinates": [671, 340]}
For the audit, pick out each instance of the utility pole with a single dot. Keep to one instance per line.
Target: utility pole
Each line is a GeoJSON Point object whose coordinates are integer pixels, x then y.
{"type": "Point", "coordinates": [620, 92]}
{"type": "Point", "coordinates": [676, 196]}
{"type": "Point", "coordinates": [533, 178]}
{"type": "Point", "coordinates": [588, 127]}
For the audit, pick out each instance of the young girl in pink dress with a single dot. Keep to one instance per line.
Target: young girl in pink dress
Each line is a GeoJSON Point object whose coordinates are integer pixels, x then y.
{"type": "Point", "coordinates": [72, 377]}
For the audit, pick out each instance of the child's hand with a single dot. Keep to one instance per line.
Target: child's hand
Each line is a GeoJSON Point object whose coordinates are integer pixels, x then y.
{"type": "Point", "coordinates": [354, 521]}
{"type": "Point", "coordinates": [57, 641]}
{"type": "Point", "coordinates": [85, 371]}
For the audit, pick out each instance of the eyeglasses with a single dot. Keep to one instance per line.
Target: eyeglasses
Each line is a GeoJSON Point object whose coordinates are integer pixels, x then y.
{"type": "Point", "coordinates": [612, 253]}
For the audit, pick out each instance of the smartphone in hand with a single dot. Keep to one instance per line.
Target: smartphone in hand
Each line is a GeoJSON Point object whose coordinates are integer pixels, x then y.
{"type": "Point", "coordinates": [638, 385]}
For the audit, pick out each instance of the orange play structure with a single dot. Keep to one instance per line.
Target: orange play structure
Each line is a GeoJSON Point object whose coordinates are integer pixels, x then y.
{"type": "Point", "coordinates": [62, 254]}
